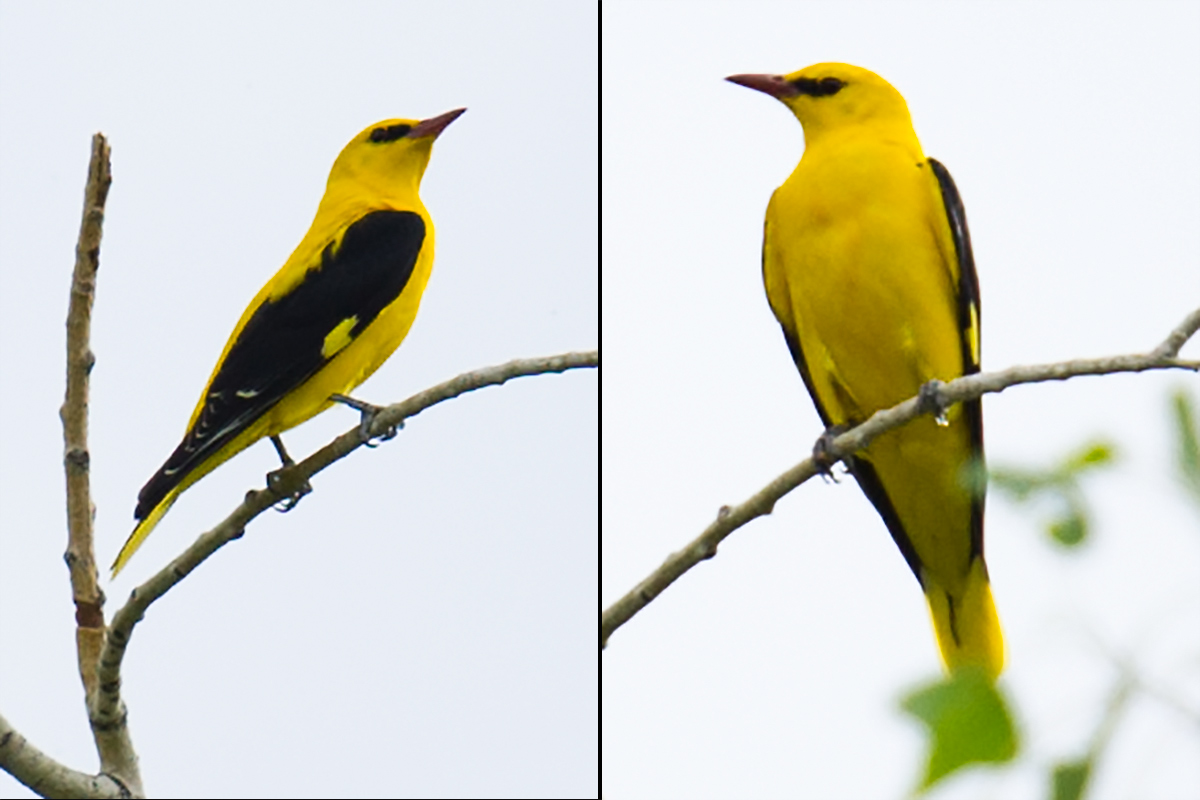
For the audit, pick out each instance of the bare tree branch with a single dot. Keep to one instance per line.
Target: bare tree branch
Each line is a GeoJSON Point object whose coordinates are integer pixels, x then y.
{"type": "Point", "coordinates": [47, 777]}
{"type": "Point", "coordinates": [934, 397]}
{"type": "Point", "coordinates": [80, 557]}
{"type": "Point", "coordinates": [282, 484]}
{"type": "Point", "coordinates": [89, 600]}
{"type": "Point", "coordinates": [117, 756]}
{"type": "Point", "coordinates": [119, 776]}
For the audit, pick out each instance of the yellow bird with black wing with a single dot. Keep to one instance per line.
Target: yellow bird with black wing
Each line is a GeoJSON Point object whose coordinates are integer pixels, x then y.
{"type": "Point", "coordinates": [336, 310]}
{"type": "Point", "coordinates": [868, 268]}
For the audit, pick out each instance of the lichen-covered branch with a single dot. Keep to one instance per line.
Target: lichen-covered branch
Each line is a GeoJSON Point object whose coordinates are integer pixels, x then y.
{"type": "Point", "coordinates": [933, 399]}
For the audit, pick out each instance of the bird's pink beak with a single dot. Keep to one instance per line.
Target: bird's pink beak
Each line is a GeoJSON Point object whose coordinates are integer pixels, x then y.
{"type": "Point", "coordinates": [434, 125]}
{"type": "Point", "coordinates": [773, 85]}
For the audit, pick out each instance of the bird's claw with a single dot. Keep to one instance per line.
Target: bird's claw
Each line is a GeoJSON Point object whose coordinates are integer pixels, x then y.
{"type": "Point", "coordinates": [368, 412]}
{"type": "Point", "coordinates": [929, 398]}
{"type": "Point", "coordinates": [274, 483]}
{"type": "Point", "coordinates": [822, 455]}
{"type": "Point", "coordinates": [275, 479]}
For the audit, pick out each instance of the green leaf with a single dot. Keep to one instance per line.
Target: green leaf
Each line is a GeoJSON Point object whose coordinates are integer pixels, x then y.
{"type": "Point", "coordinates": [1092, 455]}
{"type": "Point", "coordinates": [1061, 488]}
{"type": "Point", "coordinates": [1020, 483]}
{"type": "Point", "coordinates": [1069, 530]}
{"type": "Point", "coordinates": [1070, 778]}
{"type": "Point", "coordinates": [968, 722]}
{"type": "Point", "coordinates": [1189, 446]}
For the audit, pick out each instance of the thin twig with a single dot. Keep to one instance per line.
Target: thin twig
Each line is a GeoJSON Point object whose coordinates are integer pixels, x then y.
{"type": "Point", "coordinates": [284, 482]}
{"type": "Point", "coordinates": [933, 397]}
{"type": "Point", "coordinates": [1078, 773]}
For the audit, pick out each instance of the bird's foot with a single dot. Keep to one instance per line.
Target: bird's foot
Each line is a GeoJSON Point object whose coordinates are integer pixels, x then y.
{"type": "Point", "coordinates": [931, 401]}
{"type": "Point", "coordinates": [368, 412]}
{"type": "Point", "coordinates": [822, 454]}
{"type": "Point", "coordinates": [275, 479]}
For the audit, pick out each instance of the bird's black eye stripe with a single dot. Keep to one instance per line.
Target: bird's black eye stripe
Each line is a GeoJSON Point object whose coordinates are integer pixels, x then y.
{"type": "Point", "coordinates": [390, 133]}
{"type": "Point", "coordinates": [818, 88]}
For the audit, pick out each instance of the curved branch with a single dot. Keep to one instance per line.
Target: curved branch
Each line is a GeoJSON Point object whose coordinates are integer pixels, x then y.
{"type": "Point", "coordinates": [933, 398]}
{"type": "Point", "coordinates": [282, 484]}
{"type": "Point", "coordinates": [47, 777]}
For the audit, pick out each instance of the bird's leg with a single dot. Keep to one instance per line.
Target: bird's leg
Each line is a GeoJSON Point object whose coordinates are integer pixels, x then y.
{"type": "Point", "coordinates": [274, 478]}
{"type": "Point", "coordinates": [282, 451]}
{"type": "Point", "coordinates": [822, 454]}
{"type": "Point", "coordinates": [369, 412]}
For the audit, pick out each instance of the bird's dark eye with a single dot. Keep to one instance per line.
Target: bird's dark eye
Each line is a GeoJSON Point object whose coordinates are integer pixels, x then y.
{"type": "Point", "coordinates": [831, 85]}
{"type": "Point", "coordinates": [818, 88]}
{"type": "Point", "coordinates": [390, 133]}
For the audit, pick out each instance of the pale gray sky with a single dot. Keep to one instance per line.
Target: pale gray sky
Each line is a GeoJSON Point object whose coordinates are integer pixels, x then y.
{"type": "Point", "coordinates": [422, 625]}
{"type": "Point", "coordinates": [774, 669]}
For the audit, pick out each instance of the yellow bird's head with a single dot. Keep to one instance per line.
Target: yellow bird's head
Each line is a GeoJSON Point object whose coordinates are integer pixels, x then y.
{"type": "Point", "coordinates": [390, 156]}
{"type": "Point", "coordinates": [827, 97]}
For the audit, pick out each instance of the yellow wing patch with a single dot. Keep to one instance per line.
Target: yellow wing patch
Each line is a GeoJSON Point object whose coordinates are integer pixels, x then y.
{"type": "Point", "coordinates": [973, 335]}
{"type": "Point", "coordinates": [339, 337]}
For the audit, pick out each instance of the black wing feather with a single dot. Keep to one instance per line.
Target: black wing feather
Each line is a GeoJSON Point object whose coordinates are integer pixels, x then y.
{"type": "Point", "coordinates": [968, 295]}
{"type": "Point", "coordinates": [968, 298]}
{"type": "Point", "coordinates": [281, 345]}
